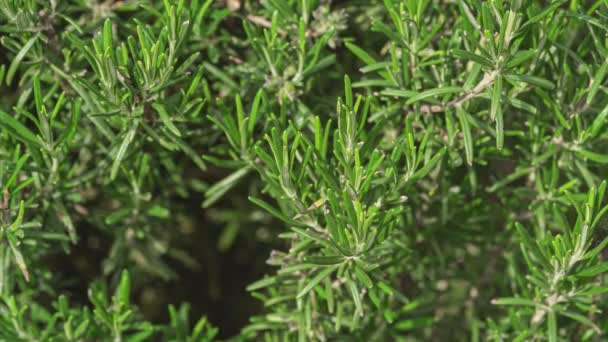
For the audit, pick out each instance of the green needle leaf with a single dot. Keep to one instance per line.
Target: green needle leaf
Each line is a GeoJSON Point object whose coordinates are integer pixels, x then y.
{"type": "Point", "coordinates": [122, 150]}
{"type": "Point", "coordinates": [124, 289]}
{"type": "Point", "coordinates": [399, 93]}
{"type": "Point", "coordinates": [363, 277]}
{"type": "Point", "coordinates": [166, 119]}
{"type": "Point", "coordinates": [12, 69]}
{"type": "Point", "coordinates": [214, 193]}
{"type": "Point", "coordinates": [19, 260]}
{"type": "Point", "coordinates": [364, 56]}
{"type": "Point", "coordinates": [432, 93]}
{"type": "Point", "coordinates": [108, 44]}
{"type": "Point", "coordinates": [316, 280]}
{"type": "Point", "coordinates": [354, 291]}
{"type": "Point", "coordinates": [18, 130]}
{"type": "Point", "coordinates": [582, 319]}
{"type": "Point", "coordinates": [466, 130]}
{"type": "Point", "coordinates": [496, 112]}
{"type": "Point", "coordinates": [597, 81]}
{"type": "Point", "coordinates": [272, 210]}
{"type": "Point", "coordinates": [593, 270]}
{"type": "Point", "coordinates": [325, 259]}
{"type": "Point", "coordinates": [37, 95]}
{"type": "Point", "coordinates": [428, 167]}
{"type": "Point", "coordinates": [552, 326]}
{"type": "Point", "coordinates": [348, 92]}
{"type": "Point", "coordinates": [262, 283]}
{"type": "Point", "coordinates": [533, 80]}
{"type": "Point", "coordinates": [514, 301]}
{"type": "Point", "coordinates": [596, 157]}
{"type": "Point", "coordinates": [472, 57]}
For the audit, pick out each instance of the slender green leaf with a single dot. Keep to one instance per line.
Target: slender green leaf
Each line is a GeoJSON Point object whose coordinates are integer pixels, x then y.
{"type": "Point", "coordinates": [122, 150]}
{"type": "Point", "coordinates": [124, 289]}
{"type": "Point", "coordinates": [597, 81]}
{"type": "Point", "coordinates": [514, 301]}
{"type": "Point", "coordinates": [18, 130]}
{"type": "Point", "coordinates": [596, 157]}
{"type": "Point", "coordinates": [214, 193]}
{"type": "Point", "coordinates": [166, 119]}
{"type": "Point", "coordinates": [593, 270]}
{"type": "Point", "coordinates": [472, 57]}
{"type": "Point", "coordinates": [12, 69]}
{"type": "Point", "coordinates": [432, 93]}
{"type": "Point", "coordinates": [325, 259]}
{"type": "Point", "coordinates": [398, 93]}
{"type": "Point", "coordinates": [262, 283]}
{"type": "Point", "coordinates": [324, 273]}
{"type": "Point", "coordinates": [533, 80]}
{"type": "Point", "coordinates": [552, 326]}
{"type": "Point", "coordinates": [466, 130]}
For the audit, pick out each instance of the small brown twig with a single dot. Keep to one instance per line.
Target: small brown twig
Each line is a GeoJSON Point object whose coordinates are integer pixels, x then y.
{"type": "Point", "coordinates": [487, 81]}
{"type": "Point", "coordinates": [261, 21]}
{"type": "Point", "coordinates": [4, 205]}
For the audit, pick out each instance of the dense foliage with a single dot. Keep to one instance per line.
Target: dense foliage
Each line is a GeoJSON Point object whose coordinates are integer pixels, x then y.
{"type": "Point", "coordinates": [422, 170]}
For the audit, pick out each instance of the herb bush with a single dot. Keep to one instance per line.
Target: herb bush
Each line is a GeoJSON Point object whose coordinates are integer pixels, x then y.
{"type": "Point", "coordinates": [417, 170]}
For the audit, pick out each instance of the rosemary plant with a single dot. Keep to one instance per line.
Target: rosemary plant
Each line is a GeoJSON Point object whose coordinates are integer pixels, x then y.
{"type": "Point", "coordinates": [421, 170]}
